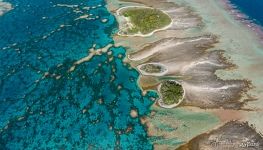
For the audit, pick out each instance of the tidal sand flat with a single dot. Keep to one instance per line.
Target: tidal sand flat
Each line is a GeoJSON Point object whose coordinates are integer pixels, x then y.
{"type": "Point", "coordinates": [203, 50]}
{"type": "Point", "coordinates": [188, 59]}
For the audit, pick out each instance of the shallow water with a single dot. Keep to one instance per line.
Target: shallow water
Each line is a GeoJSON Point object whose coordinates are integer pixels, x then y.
{"type": "Point", "coordinates": [42, 104]}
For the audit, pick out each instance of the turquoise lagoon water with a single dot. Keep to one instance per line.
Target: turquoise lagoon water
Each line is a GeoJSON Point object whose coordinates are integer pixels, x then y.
{"type": "Point", "coordinates": [45, 106]}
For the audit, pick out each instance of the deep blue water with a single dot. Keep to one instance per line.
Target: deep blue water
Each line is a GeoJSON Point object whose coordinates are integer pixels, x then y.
{"type": "Point", "coordinates": [252, 8]}
{"type": "Point", "coordinates": [83, 109]}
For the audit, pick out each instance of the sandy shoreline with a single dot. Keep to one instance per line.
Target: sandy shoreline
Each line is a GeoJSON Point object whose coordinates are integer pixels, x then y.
{"type": "Point", "coordinates": [216, 59]}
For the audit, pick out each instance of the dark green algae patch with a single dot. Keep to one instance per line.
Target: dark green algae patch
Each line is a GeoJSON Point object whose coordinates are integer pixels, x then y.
{"type": "Point", "coordinates": [146, 20]}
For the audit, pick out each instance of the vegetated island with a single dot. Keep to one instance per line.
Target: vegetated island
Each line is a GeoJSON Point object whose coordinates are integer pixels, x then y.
{"type": "Point", "coordinates": [171, 92]}
{"type": "Point", "coordinates": [143, 20]}
{"type": "Point", "coordinates": [151, 68]}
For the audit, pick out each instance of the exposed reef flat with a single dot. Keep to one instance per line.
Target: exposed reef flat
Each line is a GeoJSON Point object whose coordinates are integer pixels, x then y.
{"type": "Point", "coordinates": [4, 7]}
{"type": "Point", "coordinates": [233, 135]}
{"type": "Point", "coordinates": [188, 58]}
{"type": "Point", "coordinates": [207, 51]}
{"type": "Point", "coordinates": [201, 83]}
{"type": "Point", "coordinates": [241, 44]}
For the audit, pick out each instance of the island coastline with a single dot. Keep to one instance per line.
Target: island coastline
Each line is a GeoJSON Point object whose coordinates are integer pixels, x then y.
{"type": "Point", "coordinates": [140, 34]}
{"type": "Point", "coordinates": [226, 63]}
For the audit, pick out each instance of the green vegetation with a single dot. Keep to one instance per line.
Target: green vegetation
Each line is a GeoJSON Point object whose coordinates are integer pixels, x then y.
{"type": "Point", "coordinates": [146, 20]}
{"type": "Point", "coordinates": [152, 68]}
{"type": "Point", "coordinates": [172, 92]}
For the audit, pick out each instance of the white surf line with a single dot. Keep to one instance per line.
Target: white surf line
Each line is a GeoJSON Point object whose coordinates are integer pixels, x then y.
{"type": "Point", "coordinates": [206, 88]}
{"type": "Point", "coordinates": [181, 23]}
{"type": "Point", "coordinates": [140, 34]}
{"type": "Point", "coordinates": [171, 10]}
{"type": "Point", "coordinates": [206, 62]}
{"type": "Point", "coordinates": [194, 64]}
{"type": "Point", "coordinates": [154, 50]}
{"type": "Point", "coordinates": [66, 5]}
{"type": "Point", "coordinates": [92, 53]}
